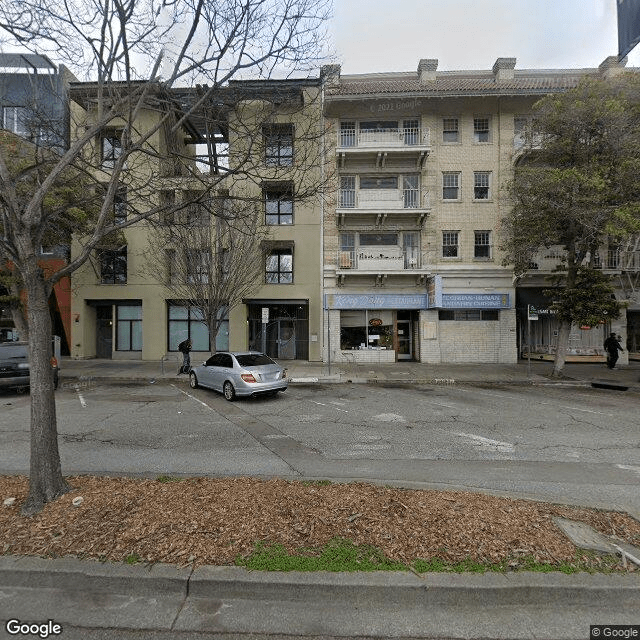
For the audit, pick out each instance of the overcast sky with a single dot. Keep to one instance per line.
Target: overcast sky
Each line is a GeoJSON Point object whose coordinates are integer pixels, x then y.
{"type": "Point", "coordinates": [393, 35]}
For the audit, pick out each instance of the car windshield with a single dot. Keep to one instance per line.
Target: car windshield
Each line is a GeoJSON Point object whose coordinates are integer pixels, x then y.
{"type": "Point", "coordinates": [254, 360]}
{"type": "Point", "coordinates": [13, 352]}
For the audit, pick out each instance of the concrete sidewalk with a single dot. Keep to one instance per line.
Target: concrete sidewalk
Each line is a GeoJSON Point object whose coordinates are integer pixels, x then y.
{"type": "Point", "coordinates": [89, 595]}
{"type": "Point", "coordinates": [301, 371]}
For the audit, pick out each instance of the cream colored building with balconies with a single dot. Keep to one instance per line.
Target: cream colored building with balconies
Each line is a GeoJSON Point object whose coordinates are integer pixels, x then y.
{"type": "Point", "coordinates": [412, 270]}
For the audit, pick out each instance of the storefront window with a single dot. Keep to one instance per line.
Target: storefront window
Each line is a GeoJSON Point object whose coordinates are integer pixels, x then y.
{"type": "Point", "coordinates": [366, 329]}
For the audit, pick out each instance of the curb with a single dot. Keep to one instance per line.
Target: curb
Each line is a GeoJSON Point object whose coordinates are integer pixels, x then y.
{"type": "Point", "coordinates": [228, 582]}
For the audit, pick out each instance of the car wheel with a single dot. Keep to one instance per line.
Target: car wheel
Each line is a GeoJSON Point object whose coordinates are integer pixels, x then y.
{"type": "Point", "coordinates": [229, 391]}
{"type": "Point", "coordinates": [193, 381]}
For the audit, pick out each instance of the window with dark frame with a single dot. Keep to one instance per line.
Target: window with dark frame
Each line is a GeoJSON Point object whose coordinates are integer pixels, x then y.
{"type": "Point", "coordinates": [450, 244]}
{"type": "Point", "coordinates": [129, 328]}
{"type": "Point", "coordinates": [111, 149]}
{"type": "Point", "coordinates": [482, 244]}
{"type": "Point", "coordinates": [279, 267]}
{"type": "Point", "coordinates": [481, 185]}
{"type": "Point", "coordinates": [278, 204]}
{"type": "Point", "coordinates": [278, 141]}
{"type": "Point", "coordinates": [120, 206]}
{"type": "Point", "coordinates": [113, 266]}
{"type": "Point", "coordinates": [188, 321]}
{"type": "Point", "coordinates": [469, 315]}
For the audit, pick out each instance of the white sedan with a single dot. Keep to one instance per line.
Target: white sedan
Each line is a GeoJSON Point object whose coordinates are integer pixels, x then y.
{"type": "Point", "coordinates": [234, 374]}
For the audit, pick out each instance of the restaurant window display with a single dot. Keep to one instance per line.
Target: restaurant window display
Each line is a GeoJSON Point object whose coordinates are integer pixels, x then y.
{"type": "Point", "coordinates": [366, 329]}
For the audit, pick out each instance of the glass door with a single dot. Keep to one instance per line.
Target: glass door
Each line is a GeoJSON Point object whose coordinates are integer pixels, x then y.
{"type": "Point", "coordinates": [405, 344]}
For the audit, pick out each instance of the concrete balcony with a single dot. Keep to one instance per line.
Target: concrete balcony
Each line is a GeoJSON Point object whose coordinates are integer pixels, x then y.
{"type": "Point", "coordinates": [383, 204]}
{"type": "Point", "coordinates": [381, 262]}
{"type": "Point", "coordinates": [379, 144]}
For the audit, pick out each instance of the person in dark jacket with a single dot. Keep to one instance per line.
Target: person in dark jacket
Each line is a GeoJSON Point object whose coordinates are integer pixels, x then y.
{"type": "Point", "coordinates": [185, 348]}
{"type": "Point", "coordinates": [612, 346]}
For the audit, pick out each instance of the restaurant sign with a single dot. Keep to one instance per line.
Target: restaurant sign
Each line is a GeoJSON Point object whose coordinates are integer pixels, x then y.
{"type": "Point", "coordinates": [376, 301]}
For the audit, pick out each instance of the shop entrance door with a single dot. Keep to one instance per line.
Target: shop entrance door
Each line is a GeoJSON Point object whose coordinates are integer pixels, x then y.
{"type": "Point", "coordinates": [405, 346]}
{"type": "Point", "coordinates": [286, 340]}
{"type": "Point", "coordinates": [104, 331]}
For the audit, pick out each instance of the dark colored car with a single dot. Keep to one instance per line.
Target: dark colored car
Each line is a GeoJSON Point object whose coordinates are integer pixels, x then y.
{"type": "Point", "coordinates": [14, 366]}
{"type": "Point", "coordinates": [246, 373]}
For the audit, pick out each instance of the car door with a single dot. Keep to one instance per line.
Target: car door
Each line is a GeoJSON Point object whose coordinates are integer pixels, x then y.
{"type": "Point", "coordinates": [210, 373]}
{"type": "Point", "coordinates": [225, 370]}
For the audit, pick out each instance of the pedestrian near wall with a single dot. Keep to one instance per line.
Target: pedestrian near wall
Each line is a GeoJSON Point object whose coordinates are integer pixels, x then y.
{"type": "Point", "coordinates": [612, 346]}
{"type": "Point", "coordinates": [185, 348]}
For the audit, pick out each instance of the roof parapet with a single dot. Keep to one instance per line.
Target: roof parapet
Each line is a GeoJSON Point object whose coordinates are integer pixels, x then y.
{"type": "Point", "coordinates": [612, 66]}
{"type": "Point", "coordinates": [427, 68]}
{"type": "Point", "coordinates": [503, 68]}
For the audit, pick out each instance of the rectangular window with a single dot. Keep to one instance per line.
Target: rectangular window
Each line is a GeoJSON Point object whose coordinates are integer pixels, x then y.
{"type": "Point", "coordinates": [278, 141]}
{"type": "Point", "coordinates": [129, 328]}
{"type": "Point", "coordinates": [450, 186]}
{"type": "Point", "coordinates": [113, 266]}
{"type": "Point", "coordinates": [167, 205]}
{"type": "Point", "coordinates": [195, 210]}
{"type": "Point", "coordinates": [111, 149]}
{"type": "Point", "coordinates": [481, 185]}
{"type": "Point", "coordinates": [186, 321]}
{"type": "Point", "coordinates": [519, 132]}
{"type": "Point", "coordinates": [482, 244]}
{"type": "Point", "coordinates": [411, 191]}
{"type": "Point", "coordinates": [278, 204]}
{"type": "Point", "coordinates": [450, 130]}
{"type": "Point", "coordinates": [481, 129]}
{"type": "Point", "coordinates": [469, 315]}
{"type": "Point", "coordinates": [450, 244]}
{"type": "Point", "coordinates": [120, 206]}
{"type": "Point", "coordinates": [347, 199]}
{"type": "Point", "coordinates": [279, 267]}
{"type": "Point", "coordinates": [16, 120]}
{"type": "Point", "coordinates": [378, 239]}
{"type": "Point", "coordinates": [347, 134]}
{"type": "Point", "coordinates": [411, 130]}
{"type": "Point", "coordinates": [385, 182]}
{"type": "Point", "coordinates": [198, 263]}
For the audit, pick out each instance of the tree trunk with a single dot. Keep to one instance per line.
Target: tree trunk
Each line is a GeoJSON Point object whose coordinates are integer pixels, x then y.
{"type": "Point", "coordinates": [561, 352]}
{"type": "Point", "coordinates": [45, 476]}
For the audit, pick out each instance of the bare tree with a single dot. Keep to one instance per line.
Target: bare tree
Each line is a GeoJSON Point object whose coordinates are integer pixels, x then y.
{"type": "Point", "coordinates": [137, 53]}
{"type": "Point", "coordinates": [210, 260]}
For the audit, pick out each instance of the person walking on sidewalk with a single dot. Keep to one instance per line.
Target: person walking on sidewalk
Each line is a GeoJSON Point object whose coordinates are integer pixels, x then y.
{"type": "Point", "coordinates": [185, 348]}
{"type": "Point", "coordinates": [612, 346]}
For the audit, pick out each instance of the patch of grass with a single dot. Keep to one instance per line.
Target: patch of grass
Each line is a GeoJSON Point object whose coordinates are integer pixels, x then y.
{"type": "Point", "coordinates": [337, 555]}
{"type": "Point", "coordinates": [168, 479]}
{"type": "Point", "coordinates": [132, 558]}
{"type": "Point", "coordinates": [340, 554]}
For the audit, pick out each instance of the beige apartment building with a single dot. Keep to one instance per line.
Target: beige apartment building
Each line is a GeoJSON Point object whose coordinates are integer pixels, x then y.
{"type": "Point", "coordinates": [122, 306]}
{"type": "Point", "coordinates": [412, 268]}
{"type": "Point", "coordinates": [381, 198]}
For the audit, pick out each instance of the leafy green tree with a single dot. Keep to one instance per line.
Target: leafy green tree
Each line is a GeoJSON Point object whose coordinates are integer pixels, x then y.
{"type": "Point", "coordinates": [577, 185]}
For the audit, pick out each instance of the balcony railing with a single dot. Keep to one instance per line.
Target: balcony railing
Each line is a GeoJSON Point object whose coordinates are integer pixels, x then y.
{"type": "Point", "coordinates": [380, 259]}
{"type": "Point", "coordinates": [400, 137]}
{"type": "Point", "coordinates": [383, 199]}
